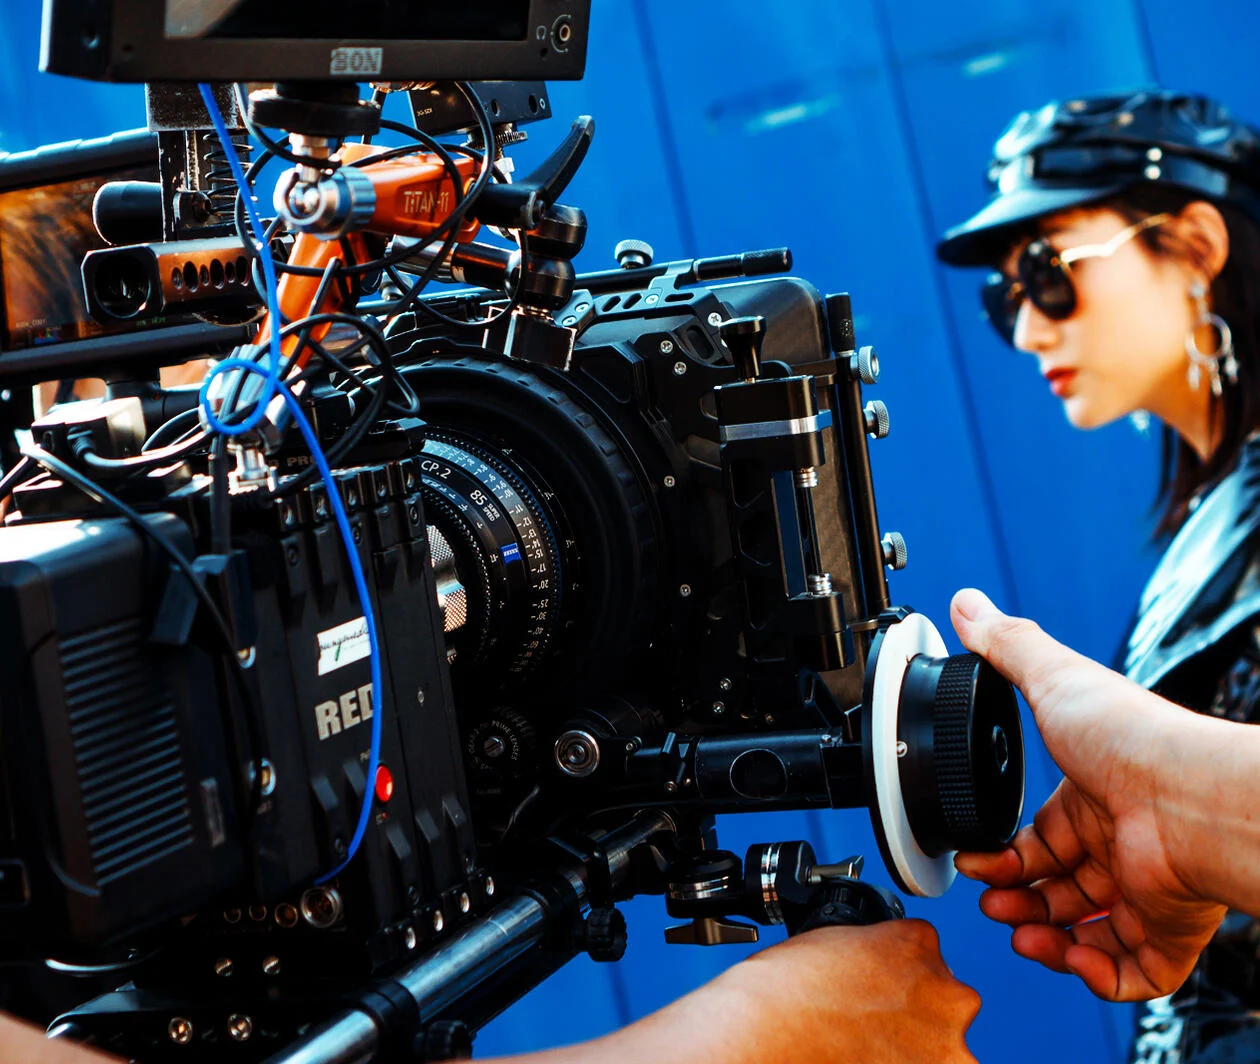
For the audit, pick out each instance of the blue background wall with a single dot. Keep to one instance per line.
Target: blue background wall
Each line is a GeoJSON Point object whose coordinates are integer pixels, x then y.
{"type": "Point", "coordinates": [855, 133]}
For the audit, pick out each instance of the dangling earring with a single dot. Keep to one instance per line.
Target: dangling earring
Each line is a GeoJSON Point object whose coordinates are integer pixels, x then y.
{"type": "Point", "coordinates": [1222, 359]}
{"type": "Point", "coordinates": [1141, 421]}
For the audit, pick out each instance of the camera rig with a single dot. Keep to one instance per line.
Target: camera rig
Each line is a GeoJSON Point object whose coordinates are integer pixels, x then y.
{"type": "Point", "coordinates": [356, 687]}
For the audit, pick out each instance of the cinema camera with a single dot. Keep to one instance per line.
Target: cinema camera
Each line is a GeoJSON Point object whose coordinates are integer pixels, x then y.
{"type": "Point", "coordinates": [348, 693]}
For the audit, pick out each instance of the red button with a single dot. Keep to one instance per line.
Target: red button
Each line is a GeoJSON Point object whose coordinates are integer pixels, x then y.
{"type": "Point", "coordinates": [384, 783]}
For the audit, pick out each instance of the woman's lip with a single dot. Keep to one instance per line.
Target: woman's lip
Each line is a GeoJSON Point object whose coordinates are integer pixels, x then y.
{"type": "Point", "coordinates": [1060, 381]}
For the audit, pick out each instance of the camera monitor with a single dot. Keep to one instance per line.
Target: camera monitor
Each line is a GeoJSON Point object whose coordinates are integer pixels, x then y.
{"type": "Point", "coordinates": [46, 229]}
{"type": "Point", "coordinates": [287, 40]}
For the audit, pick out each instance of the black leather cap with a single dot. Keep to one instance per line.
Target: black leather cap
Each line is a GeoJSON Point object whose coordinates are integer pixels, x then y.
{"type": "Point", "coordinates": [1078, 152]}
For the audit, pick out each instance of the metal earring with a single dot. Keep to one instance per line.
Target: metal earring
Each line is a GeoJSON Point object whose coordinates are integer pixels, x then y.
{"type": "Point", "coordinates": [1141, 421]}
{"type": "Point", "coordinates": [1219, 363]}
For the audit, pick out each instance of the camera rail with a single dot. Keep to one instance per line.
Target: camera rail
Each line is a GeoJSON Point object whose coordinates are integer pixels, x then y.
{"type": "Point", "coordinates": [474, 955]}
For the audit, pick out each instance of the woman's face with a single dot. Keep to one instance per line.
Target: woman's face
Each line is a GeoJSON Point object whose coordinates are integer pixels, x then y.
{"type": "Point", "coordinates": [1123, 348]}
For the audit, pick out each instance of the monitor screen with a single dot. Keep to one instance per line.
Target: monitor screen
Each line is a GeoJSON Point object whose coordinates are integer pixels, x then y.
{"type": "Point", "coordinates": [382, 20]}
{"type": "Point", "coordinates": [45, 231]}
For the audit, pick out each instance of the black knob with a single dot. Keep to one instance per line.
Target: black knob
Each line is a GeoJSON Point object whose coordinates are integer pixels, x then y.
{"type": "Point", "coordinates": [704, 884]}
{"type": "Point", "coordinates": [604, 935]}
{"type": "Point", "coordinates": [849, 903]}
{"type": "Point", "coordinates": [776, 878]}
{"type": "Point", "coordinates": [446, 1040]}
{"type": "Point", "coordinates": [505, 746]}
{"type": "Point", "coordinates": [743, 337]}
{"type": "Point", "coordinates": [633, 254]}
{"type": "Point", "coordinates": [962, 774]}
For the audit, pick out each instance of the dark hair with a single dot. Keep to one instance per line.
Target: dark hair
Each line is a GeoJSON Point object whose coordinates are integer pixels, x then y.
{"type": "Point", "coordinates": [1235, 296]}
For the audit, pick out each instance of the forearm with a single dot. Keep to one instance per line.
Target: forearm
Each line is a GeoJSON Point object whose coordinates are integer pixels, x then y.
{"type": "Point", "coordinates": [20, 1041]}
{"type": "Point", "coordinates": [700, 1026]}
{"type": "Point", "coordinates": [1209, 812]}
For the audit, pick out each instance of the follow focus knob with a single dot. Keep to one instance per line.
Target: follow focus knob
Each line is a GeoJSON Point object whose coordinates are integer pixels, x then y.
{"type": "Point", "coordinates": [962, 771]}
{"type": "Point", "coordinates": [743, 337]}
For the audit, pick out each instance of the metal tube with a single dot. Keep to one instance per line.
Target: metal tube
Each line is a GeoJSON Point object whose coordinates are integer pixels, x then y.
{"type": "Point", "coordinates": [857, 462]}
{"type": "Point", "coordinates": [468, 957]}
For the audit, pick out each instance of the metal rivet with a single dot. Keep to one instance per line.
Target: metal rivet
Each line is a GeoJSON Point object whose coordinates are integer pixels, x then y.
{"type": "Point", "coordinates": [902, 748]}
{"type": "Point", "coordinates": [671, 787]}
{"type": "Point", "coordinates": [409, 938]}
{"type": "Point", "coordinates": [719, 708]}
{"type": "Point", "coordinates": [667, 347]}
{"type": "Point", "coordinates": [271, 966]}
{"type": "Point", "coordinates": [724, 684]}
{"type": "Point", "coordinates": [1124, 118]}
{"type": "Point", "coordinates": [670, 482]}
{"type": "Point", "coordinates": [180, 1031]}
{"type": "Point", "coordinates": [1153, 173]}
{"type": "Point", "coordinates": [1155, 154]}
{"type": "Point", "coordinates": [652, 297]}
{"type": "Point", "coordinates": [569, 321]}
{"type": "Point", "coordinates": [223, 967]}
{"type": "Point", "coordinates": [465, 902]}
{"type": "Point", "coordinates": [240, 1027]}
{"type": "Point", "coordinates": [420, 695]}
{"type": "Point", "coordinates": [489, 887]}
{"type": "Point", "coordinates": [680, 368]}
{"type": "Point", "coordinates": [685, 590]}
{"type": "Point", "coordinates": [439, 921]}
{"type": "Point", "coordinates": [715, 318]}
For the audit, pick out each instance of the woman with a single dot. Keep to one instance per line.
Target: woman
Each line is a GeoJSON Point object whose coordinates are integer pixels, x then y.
{"type": "Point", "coordinates": [1125, 232]}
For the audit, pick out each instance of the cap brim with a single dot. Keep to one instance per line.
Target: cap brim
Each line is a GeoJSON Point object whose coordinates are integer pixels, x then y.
{"type": "Point", "coordinates": [983, 238]}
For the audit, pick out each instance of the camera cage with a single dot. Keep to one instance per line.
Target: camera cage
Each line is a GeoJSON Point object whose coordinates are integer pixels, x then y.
{"type": "Point", "coordinates": [728, 397]}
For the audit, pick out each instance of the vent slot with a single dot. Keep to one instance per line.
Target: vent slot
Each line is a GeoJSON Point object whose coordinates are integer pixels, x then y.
{"type": "Point", "coordinates": [126, 746]}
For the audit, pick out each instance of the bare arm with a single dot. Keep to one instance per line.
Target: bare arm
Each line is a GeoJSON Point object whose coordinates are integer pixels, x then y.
{"type": "Point", "coordinates": [881, 995]}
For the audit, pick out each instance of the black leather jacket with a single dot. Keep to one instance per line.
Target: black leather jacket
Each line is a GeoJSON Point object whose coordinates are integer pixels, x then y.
{"type": "Point", "coordinates": [1197, 642]}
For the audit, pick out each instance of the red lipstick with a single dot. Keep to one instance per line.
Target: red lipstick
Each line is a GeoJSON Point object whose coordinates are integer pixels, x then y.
{"type": "Point", "coordinates": [1060, 381]}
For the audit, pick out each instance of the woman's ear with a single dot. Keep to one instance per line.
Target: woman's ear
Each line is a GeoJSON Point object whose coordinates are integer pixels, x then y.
{"type": "Point", "coordinates": [1201, 230]}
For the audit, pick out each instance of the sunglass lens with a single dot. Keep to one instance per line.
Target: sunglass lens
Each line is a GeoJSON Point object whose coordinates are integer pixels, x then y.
{"type": "Point", "coordinates": [1046, 281]}
{"type": "Point", "coordinates": [1001, 298]}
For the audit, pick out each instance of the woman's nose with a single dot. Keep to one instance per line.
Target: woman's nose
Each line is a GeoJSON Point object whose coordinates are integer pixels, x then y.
{"type": "Point", "coordinates": [1035, 331]}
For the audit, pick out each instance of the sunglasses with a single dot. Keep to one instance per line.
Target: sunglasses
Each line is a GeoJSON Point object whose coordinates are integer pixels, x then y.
{"type": "Point", "coordinates": [1044, 276]}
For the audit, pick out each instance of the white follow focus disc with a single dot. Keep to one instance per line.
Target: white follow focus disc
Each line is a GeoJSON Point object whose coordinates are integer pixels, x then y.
{"type": "Point", "coordinates": [928, 877]}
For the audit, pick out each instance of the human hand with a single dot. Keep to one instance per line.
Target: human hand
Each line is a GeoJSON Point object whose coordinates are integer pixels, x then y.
{"type": "Point", "coordinates": [879, 994]}
{"type": "Point", "coordinates": [20, 1041]}
{"type": "Point", "coordinates": [1111, 841]}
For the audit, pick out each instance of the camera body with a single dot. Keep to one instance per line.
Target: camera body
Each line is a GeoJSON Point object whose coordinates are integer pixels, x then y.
{"type": "Point", "coordinates": [358, 686]}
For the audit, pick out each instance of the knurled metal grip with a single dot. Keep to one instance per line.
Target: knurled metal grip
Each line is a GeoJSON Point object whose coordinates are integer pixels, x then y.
{"type": "Point", "coordinates": [951, 750]}
{"type": "Point", "coordinates": [865, 365]}
{"type": "Point", "coordinates": [878, 423]}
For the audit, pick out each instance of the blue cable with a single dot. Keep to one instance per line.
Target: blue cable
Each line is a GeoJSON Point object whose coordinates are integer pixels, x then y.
{"type": "Point", "coordinates": [275, 386]}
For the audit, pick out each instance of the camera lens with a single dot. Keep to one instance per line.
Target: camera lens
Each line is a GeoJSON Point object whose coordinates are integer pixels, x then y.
{"type": "Point", "coordinates": [121, 285]}
{"type": "Point", "coordinates": [962, 768]}
{"type": "Point", "coordinates": [553, 538]}
{"type": "Point", "coordinates": [505, 550]}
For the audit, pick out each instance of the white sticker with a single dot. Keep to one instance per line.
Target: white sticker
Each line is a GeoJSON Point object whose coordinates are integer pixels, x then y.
{"type": "Point", "coordinates": [356, 62]}
{"type": "Point", "coordinates": [342, 645]}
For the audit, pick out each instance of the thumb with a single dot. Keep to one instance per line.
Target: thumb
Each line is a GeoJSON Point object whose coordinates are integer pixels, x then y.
{"type": "Point", "coordinates": [1034, 662]}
